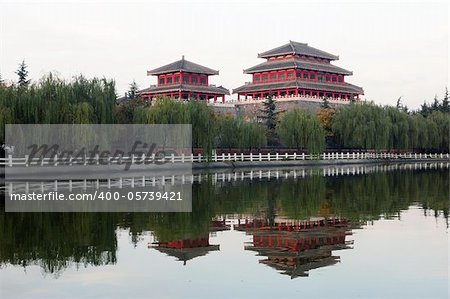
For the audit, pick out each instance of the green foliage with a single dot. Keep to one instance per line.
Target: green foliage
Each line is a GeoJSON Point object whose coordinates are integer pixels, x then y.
{"type": "Point", "coordinates": [269, 112]}
{"type": "Point", "coordinates": [368, 126]}
{"type": "Point", "coordinates": [55, 101]}
{"type": "Point", "coordinates": [22, 73]}
{"type": "Point", "coordinates": [237, 133]}
{"type": "Point", "coordinates": [301, 129]}
{"type": "Point", "coordinates": [325, 103]}
{"type": "Point", "coordinates": [443, 106]}
{"type": "Point", "coordinates": [168, 111]}
{"type": "Point", "coordinates": [361, 126]}
{"type": "Point", "coordinates": [132, 91]}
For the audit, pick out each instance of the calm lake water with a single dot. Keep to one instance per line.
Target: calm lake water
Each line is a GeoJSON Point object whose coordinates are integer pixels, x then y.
{"type": "Point", "coordinates": [379, 234]}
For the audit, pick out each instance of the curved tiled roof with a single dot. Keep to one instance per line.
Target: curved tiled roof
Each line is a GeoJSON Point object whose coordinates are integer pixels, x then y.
{"type": "Point", "coordinates": [346, 87]}
{"type": "Point", "coordinates": [183, 65]}
{"type": "Point", "coordinates": [186, 87]}
{"type": "Point", "coordinates": [295, 48]}
{"type": "Point", "coordinates": [296, 63]}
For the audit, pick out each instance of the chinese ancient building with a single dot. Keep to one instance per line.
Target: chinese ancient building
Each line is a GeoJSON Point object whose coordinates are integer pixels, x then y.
{"type": "Point", "coordinates": [184, 80]}
{"type": "Point", "coordinates": [193, 246]}
{"type": "Point", "coordinates": [295, 247]}
{"type": "Point", "coordinates": [297, 70]}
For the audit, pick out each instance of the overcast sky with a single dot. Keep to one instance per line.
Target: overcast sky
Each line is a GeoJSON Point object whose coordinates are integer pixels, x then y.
{"type": "Point", "coordinates": [394, 48]}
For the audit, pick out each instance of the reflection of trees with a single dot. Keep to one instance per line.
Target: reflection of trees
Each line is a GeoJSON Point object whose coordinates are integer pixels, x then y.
{"type": "Point", "coordinates": [55, 241]}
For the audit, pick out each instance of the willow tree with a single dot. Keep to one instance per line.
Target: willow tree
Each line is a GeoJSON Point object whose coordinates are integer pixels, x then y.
{"type": "Point", "coordinates": [363, 125]}
{"type": "Point", "coordinates": [301, 129]}
{"type": "Point", "coordinates": [236, 132]}
{"type": "Point", "coordinates": [442, 122]}
{"type": "Point", "coordinates": [202, 119]}
{"type": "Point", "coordinates": [52, 100]}
{"type": "Point", "coordinates": [168, 111]}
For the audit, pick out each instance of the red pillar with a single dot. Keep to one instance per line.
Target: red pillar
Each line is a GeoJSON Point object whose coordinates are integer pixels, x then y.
{"type": "Point", "coordinates": [215, 99]}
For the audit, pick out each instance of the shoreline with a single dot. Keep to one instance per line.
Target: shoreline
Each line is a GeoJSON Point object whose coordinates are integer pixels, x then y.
{"type": "Point", "coordinates": [110, 171]}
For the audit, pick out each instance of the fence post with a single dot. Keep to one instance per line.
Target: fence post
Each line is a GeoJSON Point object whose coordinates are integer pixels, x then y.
{"type": "Point", "coordinates": [56, 160]}
{"type": "Point", "coordinates": [182, 158]}
{"type": "Point", "coordinates": [260, 157]}
{"type": "Point", "coordinates": [199, 158]}
{"type": "Point", "coordinates": [268, 156]}
{"type": "Point", "coordinates": [223, 157]}
{"type": "Point", "coordinates": [242, 156]}
{"type": "Point", "coordinates": [251, 157]}
{"type": "Point", "coordinates": [192, 157]}
{"type": "Point", "coordinates": [303, 156]}
{"type": "Point", "coordinates": [276, 156]}
{"type": "Point", "coordinates": [295, 156]}
{"type": "Point", "coordinates": [235, 157]}
{"type": "Point", "coordinates": [26, 160]}
{"type": "Point", "coordinates": [229, 156]}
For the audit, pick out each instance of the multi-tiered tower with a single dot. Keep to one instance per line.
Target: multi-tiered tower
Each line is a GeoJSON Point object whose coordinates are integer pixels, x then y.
{"type": "Point", "coordinates": [298, 70]}
{"type": "Point", "coordinates": [184, 80]}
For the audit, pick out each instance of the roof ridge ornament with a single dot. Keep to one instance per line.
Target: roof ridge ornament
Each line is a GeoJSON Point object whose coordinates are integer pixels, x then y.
{"type": "Point", "coordinates": [292, 47]}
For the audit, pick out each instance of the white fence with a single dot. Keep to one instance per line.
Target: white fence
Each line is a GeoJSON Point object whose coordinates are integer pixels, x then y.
{"type": "Point", "coordinates": [214, 178]}
{"type": "Point", "coordinates": [235, 157]}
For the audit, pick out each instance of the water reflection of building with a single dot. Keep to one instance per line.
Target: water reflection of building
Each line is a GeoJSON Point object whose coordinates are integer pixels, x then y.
{"type": "Point", "coordinates": [295, 247]}
{"type": "Point", "coordinates": [191, 247]}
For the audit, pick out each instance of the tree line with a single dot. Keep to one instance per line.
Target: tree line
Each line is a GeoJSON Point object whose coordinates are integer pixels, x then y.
{"type": "Point", "coordinates": [52, 100]}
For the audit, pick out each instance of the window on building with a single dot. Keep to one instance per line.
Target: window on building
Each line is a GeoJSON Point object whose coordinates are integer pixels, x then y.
{"type": "Point", "coordinates": [340, 79]}
{"type": "Point", "coordinates": [169, 80]}
{"type": "Point", "coordinates": [305, 75]}
{"type": "Point", "coordinates": [327, 78]}
{"type": "Point", "coordinates": [299, 75]}
{"type": "Point", "coordinates": [320, 78]}
{"type": "Point", "coordinates": [289, 76]}
{"type": "Point", "coordinates": [281, 77]}
{"type": "Point", "coordinates": [312, 76]}
{"type": "Point", "coordinates": [256, 78]}
{"type": "Point", "coordinates": [177, 79]}
{"type": "Point", "coordinates": [161, 80]}
{"type": "Point", "coordinates": [194, 80]}
{"type": "Point", "coordinates": [203, 80]}
{"type": "Point", "coordinates": [273, 77]}
{"type": "Point", "coordinates": [333, 79]}
{"type": "Point", "coordinates": [265, 77]}
{"type": "Point", "coordinates": [186, 79]}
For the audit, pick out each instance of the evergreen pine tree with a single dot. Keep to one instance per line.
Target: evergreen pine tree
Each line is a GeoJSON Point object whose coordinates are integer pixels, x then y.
{"type": "Point", "coordinates": [445, 103]}
{"type": "Point", "coordinates": [424, 109]}
{"type": "Point", "coordinates": [325, 104]}
{"type": "Point", "coordinates": [269, 113]}
{"type": "Point", "coordinates": [22, 72]}
{"type": "Point", "coordinates": [435, 105]}
{"type": "Point", "coordinates": [132, 91]}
